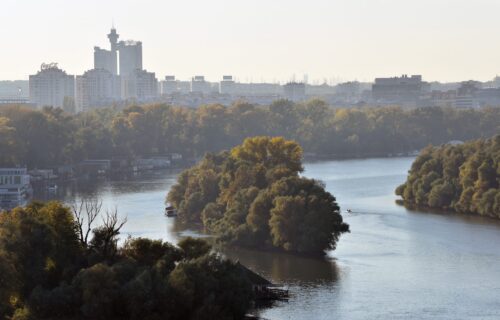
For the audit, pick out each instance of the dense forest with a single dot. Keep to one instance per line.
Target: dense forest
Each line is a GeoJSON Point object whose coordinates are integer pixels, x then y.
{"type": "Point", "coordinates": [55, 265]}
{"type": "Point", "coordinates": [51, 137]}
{"type": "Point", "coordinates": [254, 196]}
{"type": "Point", "coordinates": [464, 178]}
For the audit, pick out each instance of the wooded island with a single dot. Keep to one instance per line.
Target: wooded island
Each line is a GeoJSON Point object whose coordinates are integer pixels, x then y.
{"type": "Point", "coordinates": [464, 178]}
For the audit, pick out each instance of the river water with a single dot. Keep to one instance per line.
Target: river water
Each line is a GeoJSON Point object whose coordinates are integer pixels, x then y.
{"type": "Point", "coordinates": [395, 263]}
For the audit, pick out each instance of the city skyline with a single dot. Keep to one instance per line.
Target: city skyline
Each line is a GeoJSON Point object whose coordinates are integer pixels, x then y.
{"type": "Point", "coordinates": [341, 40]}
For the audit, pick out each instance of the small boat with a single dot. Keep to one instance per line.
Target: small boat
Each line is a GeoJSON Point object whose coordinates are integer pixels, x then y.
{"type": "Point", "coordinates": [170, 212]}
{"type": "Point", "coordinates": [52, 188]}
{"type": "Point", "coordinates": [349, 211]}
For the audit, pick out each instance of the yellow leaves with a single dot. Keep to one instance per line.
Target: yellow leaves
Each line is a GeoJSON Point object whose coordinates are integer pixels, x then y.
{"type": "Point", "coordinates": [270, 152]}
{"type": "Point", "coordinates": [461, 177]}
{"type": "Point", "coordinates": [15, 300]}
{"type": "Point", "coordinates": [50, 264]}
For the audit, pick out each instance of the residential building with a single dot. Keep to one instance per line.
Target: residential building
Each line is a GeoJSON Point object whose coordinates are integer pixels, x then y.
{"type": "Point", "coordinates": [15, 90]}
{"type": "Point", "coordinates": [169, 85]}
{"type": "Point", "coordinates": [466, 94]}
{"type": "Point", "coordinates": [294, 91]}
{"type": "Point", "coordinates": [257, 89]}
{"type": "Point", "coordinates": [130, 57]}
{"type": "Point", "coordinates": [226, 86]}
{"type": "Point", "coordinates": [51, 86]}
{"type": "Point", "coordinates": [140, 85]}
{"type": "Point", "coordinates": [199, 85]}
{"type": "Point", "coordinates": [96, 88]}
{"type": "Point", "coordinates": [488, 97]}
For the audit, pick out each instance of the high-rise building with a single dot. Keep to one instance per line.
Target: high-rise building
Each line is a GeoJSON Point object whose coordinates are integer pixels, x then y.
{"type": "Point", "coordinates": [107, 59]}
{"type": "Point", "coordinates": [226, 86]}
{"type": "Point", "coordinates": [140, 85]}
{"type": "Point", "coordinates": [169, 85]}
{"type": "Point", "coordinates": [130, 57]}
{"type": "Point", "coordinates": [199, 85]}
{"type": "Point", "coordinates": [51, 86]}
{"type": "Point", "coordinates": [96, 88]}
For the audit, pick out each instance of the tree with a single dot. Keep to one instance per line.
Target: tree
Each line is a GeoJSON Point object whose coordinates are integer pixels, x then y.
{"type": "Point", "coordinates": [105, 237]}
{"type": "Point", "coordinates": [253, 196]}
{"type": "Point", "coordinates": [86, 213]}
{"type": "Point", "coordinates": [46, 273]}
{"type": "Point", "coordinates": [7, 142]}
{"type": "Point", "coordinates": [148, 252]}
{"type": "Point", "coordinates": [211, 288]}
{"type": "Point", "coordinates": [464, 178]}
{"type": "Point", "coordinates": [194, 248]}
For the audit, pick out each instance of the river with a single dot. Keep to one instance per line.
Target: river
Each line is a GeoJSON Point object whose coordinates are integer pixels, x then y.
{"type": "Point", "coordinates": [395, 263]}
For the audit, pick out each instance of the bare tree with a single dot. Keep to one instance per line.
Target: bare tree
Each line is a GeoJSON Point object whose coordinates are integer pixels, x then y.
{"type": "Point", "coordinates": [112, 223]}
{"type": "Point", "coordinates": [106, 236]}
{"type": "Point", "coordinates": [86, 212]}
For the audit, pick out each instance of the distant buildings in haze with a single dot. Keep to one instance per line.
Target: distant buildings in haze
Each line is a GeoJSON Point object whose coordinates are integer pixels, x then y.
{"type": "Point", "coordinates": [107, 59]}
{"type": "Point", "coordinates": [294, 91]}
{"type": "Point", "coordinates": [118, 76]}
{"type": "Point", "coordinates": [51, 86]}
{"type": "Point", "coordinates": [96, 88]}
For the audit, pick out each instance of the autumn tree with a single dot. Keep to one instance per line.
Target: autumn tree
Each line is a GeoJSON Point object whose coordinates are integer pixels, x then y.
{"type": "Point", "coordinates": [253, 196]}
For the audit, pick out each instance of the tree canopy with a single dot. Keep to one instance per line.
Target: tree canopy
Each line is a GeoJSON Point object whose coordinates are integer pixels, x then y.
{"type": "Point", "coordinates": [464, 178]}
{"type": "Point", "coordinates": [254, 196]}
{"type": "Point", "coordinates": [47, 272]}
{"type": "Point", "coordinates": [47, 137]}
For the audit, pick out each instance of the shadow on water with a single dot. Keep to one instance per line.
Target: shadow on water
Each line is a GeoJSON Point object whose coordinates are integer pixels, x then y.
{"type": "Point", "coordinates": [287, 269]}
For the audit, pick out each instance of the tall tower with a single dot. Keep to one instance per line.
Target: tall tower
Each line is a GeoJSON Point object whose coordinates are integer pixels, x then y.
{"type": "Point", "coordinates": [113, 39]}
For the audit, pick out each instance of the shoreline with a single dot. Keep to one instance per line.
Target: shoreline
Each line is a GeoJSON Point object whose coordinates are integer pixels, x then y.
{"type": "Point", "coordinates": [444, 212]}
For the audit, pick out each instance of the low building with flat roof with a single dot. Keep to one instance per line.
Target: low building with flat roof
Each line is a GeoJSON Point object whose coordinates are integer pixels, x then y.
{"type": "Point", "coordinates": [15, 187]}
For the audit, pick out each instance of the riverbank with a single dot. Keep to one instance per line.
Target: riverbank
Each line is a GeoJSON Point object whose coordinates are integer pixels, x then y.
{"type": "Point", "coordinates": [313, 157]}
{"type": "Point", "coordinates": [391, 257]}
{"type": "Point", "coordinates": [469, 217]}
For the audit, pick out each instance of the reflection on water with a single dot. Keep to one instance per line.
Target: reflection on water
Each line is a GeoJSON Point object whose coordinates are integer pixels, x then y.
{"type": "Point", "coordinates": [395, 263]}
{"type": "Point", "coordinates": [286, 268]}
{"type": "Point", "coordinates": [140, 198]}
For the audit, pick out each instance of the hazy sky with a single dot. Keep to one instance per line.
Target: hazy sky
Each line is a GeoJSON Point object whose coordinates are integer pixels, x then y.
{"type": "Point", "coordinates": [444, 40]}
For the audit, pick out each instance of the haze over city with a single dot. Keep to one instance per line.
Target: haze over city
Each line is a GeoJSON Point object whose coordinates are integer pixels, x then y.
{"type": "Point", "coordinates": [249, 160]}
{"type": "Point", "coordinates": [262, 40]}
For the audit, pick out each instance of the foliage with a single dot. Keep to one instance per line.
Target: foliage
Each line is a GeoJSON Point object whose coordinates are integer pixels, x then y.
{"type": "Point", "coordinates": [41, 138]}
{"type": "Point", "coordinates": [464, 178]}
{"type": "Point", "coordinates": [254, 196]}
{"type": "Point", "coordinates": [47, 272]}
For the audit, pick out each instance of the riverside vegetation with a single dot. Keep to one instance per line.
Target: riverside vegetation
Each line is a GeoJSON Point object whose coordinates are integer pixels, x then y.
{"type": "Point", "coordinates": [464, 178]}
{"type": "Point", "coordinates": [56, 266]}
{"type": "Point", "coordinates": [48, 137]}
{"type": "Point", "coordinates": [254, 196]}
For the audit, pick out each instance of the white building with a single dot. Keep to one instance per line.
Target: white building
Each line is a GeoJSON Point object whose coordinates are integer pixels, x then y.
{"type": "Point", "coordinates": [140, 85]}
{"type": "Point", "coordinates": [14, 187]}
{"type": "Point", "coordinates": [96, 88]}
{"type": "Point", "coordinates": [257, 89]}
{"type": "Point", "coordinates": [130, 57]}
{"type": "Point", "coordinates": [169, 85]}
{"type": "Point", "coordinates": [50, 86]}
{"type": "Point", "coordinates": [199, 85]}
{"type": "Point", "coordinates": [107, 59]}
{"type": "Point", "coordinates": [226, 86]}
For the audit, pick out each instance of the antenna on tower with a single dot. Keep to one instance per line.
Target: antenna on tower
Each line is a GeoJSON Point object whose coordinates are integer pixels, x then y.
{"type": "Point", "coordinates": [113, 23]}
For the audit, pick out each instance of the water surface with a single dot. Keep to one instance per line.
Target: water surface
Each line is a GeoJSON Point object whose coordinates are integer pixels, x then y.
{"type": "Point", "coordinates": [395, 263]}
